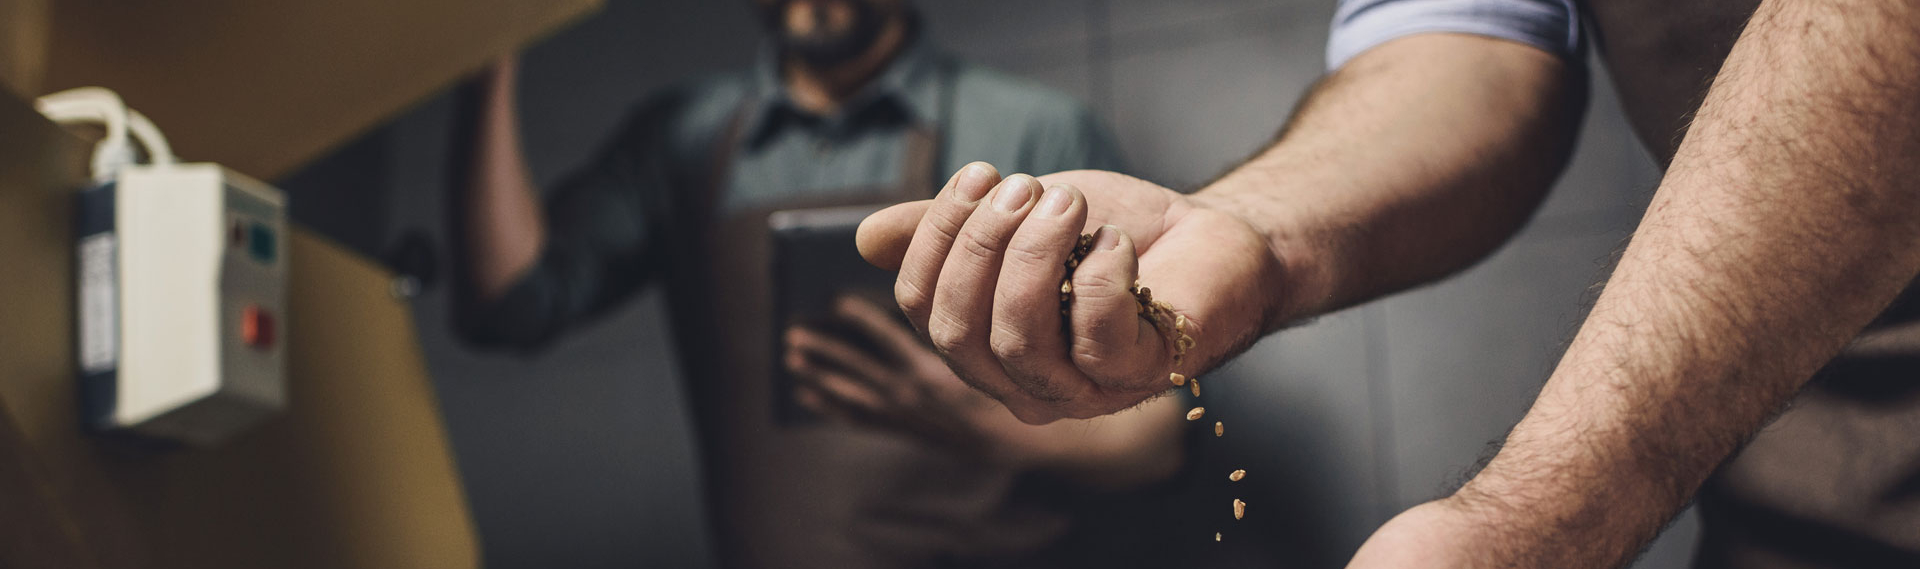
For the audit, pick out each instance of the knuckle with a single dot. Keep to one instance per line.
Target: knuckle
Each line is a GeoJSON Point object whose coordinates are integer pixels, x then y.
{"type": "Point", "coordinates": [978, 250]}
{"type": "Point", "coordinates": [948, 335]}
{"type": "Point", "coordinates": [1009, 344]}
{"type": "Point", "coordinates": [1028, 255]}
{"type": "Point", "coordinates": [913, 298]}
{"type": "Point", "coordinates": [949, 218]}
{"type": "Point", "coordinates": [1091, 285]}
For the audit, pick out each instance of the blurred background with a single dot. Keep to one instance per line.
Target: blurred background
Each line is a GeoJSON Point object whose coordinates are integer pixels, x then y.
{"type": "Point", "coordinates": [584, 456]}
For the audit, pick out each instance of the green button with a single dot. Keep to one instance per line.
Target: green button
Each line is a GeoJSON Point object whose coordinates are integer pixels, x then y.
{"type": "Point", "coordinates": [261, 243]}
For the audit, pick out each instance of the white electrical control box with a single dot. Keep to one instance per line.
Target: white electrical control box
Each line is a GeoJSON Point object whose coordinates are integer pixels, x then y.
{"type": "Point", "coordinates": [181, 276]}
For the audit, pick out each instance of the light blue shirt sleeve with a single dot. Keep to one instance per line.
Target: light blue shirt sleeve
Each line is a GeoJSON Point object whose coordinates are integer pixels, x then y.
{"type": "Point", "coordinates": [1551, 25]}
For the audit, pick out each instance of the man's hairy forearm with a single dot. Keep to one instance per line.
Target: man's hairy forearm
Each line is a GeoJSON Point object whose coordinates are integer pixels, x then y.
{"type": "Point", "coordinates": [1414, 160]}
{"type": "Point", "coordinates": [1790, 217]}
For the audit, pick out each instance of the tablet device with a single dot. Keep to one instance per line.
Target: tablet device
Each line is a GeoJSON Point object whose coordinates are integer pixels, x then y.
{"type": "Point", "coordinates": [815, 262]}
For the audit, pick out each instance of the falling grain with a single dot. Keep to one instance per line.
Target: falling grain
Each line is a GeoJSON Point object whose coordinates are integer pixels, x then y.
{"type": "Point", "coordinates": [1195, 413]}
{"type": "Point", "coordinates": [1239, 509]}
{"type": "Point", "coordinates": [1236, 475]}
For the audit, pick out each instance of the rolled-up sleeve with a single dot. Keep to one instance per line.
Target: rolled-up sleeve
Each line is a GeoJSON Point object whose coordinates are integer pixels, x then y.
{"type": "Point", "coordinates": [1359, 25]}
{"type": "Point", "coordinates": [603, 227]}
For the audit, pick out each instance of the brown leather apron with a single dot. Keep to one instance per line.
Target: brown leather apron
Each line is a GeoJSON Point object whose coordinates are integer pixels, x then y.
{"type": "Point", "coordinates": [823, 495]}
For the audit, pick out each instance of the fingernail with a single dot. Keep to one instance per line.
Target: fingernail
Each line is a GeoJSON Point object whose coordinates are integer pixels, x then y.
{"type": "Point", "coordinates": [975, 179]}
{"type": "Point", "coordinates": [1055, 201]}
{"type": "Point", "coordinates": [1015, 192]}
{"type": "Point", "coordinates": [1106, 238]}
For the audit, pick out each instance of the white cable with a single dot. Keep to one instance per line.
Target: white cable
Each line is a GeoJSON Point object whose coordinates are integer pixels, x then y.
{"type": "Point", "coordinates": [158, 151]}
{"type": "Point", "coordinates": [100, 105]}
{"type": "Point", "coordinates": [94, 105]}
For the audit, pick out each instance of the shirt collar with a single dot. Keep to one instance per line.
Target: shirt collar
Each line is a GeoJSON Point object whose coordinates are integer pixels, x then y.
{"type": "Point", "coordinates": [910, 80]}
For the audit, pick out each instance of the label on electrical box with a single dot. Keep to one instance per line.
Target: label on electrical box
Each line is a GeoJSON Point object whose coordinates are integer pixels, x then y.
{"type": "Point", "coordinates": [99, 303]}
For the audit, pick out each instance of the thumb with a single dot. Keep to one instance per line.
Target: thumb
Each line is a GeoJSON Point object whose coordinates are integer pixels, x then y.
{"type": "Point", "coordinates": [883, 237]}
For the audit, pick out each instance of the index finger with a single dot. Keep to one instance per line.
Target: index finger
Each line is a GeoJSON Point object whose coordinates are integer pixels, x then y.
{"type": "Point", "coordinates": [920, 266]}
{"type": "Point", "coordinates": [883, 237]}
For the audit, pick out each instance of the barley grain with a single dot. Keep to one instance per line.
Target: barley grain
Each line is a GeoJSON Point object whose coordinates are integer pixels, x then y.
{"type": "Point", "coordinates": [1195, 413]}
{"type": "Point", "coordinates": [1236, 475]}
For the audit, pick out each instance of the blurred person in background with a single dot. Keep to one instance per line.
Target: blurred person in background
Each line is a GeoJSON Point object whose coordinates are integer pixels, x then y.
{"type": "Point", "coordinates": [847, 105]}
{"type": "Point", "coordinates": [1782, 236]}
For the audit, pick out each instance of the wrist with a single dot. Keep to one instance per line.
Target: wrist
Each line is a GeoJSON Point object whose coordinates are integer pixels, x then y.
{"type": "Point", "coordinates": [1302, 282]}
{"type": "Point", "coordinates": [1549, 509]}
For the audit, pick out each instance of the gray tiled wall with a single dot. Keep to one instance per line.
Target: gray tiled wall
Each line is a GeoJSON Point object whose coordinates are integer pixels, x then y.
{"type": "Point", "coordinates": [582, 457]}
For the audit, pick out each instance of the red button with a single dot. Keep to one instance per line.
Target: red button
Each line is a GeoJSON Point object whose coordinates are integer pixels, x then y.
{"type": "Point", "coordinates": [256, 327]}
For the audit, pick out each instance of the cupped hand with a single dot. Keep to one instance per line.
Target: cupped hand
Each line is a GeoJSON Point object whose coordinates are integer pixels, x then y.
{"type": "Point", "coordinates": [981, 267]}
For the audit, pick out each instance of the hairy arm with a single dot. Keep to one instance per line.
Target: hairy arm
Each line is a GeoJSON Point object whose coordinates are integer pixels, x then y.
{"type": "Point", "coordinates": [1417, 158]}
{"type": "Point", "coordinates": [1790, 217]}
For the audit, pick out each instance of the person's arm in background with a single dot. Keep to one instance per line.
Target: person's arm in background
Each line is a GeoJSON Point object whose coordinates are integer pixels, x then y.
{"type": "Point", "coordinates": [1415, 159]}
{"type": "Point", "coordinates": [533, 268]}
{"type": "Point", "coordinates": [505, 227]}
{"type": "Point", "coordinates": [1790, 217]}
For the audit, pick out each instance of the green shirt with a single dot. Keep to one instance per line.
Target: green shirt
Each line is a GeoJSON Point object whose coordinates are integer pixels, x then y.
{"type": "Point", "coordinates": [605, 222]}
